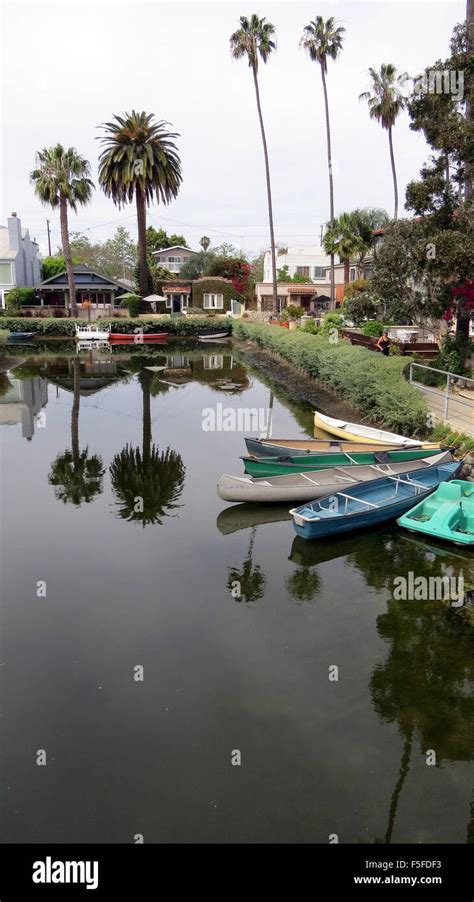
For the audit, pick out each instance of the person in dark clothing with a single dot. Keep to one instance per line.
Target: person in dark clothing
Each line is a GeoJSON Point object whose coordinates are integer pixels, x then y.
{"type": "Point", "coordinates": [384, 344]}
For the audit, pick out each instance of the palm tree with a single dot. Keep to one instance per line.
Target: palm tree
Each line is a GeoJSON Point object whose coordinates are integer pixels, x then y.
{"type": "Point", "coordinates": [62, 179]}
{"type": "Point", "coordinates": [76, 476]}
{"type": "Point", "coordinates": [205, 242]}
{"type": "Point", "coordinates": [323, 39]}
{"type": "Point", "coordinates": [343, 238]}
{"type": "Point", "coordinates": [386, 100]}
{"type": "Point", "coordinates": [140, 161]}
{"type": "Point", "coordinates": [147, 483]}
{"type": "Point", "coordinates": [254, 39]}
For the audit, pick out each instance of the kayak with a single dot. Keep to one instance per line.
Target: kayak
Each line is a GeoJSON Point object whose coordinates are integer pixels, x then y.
{"type": "Point", "coordinates": [137, 337]}
{"type": "Point", "coordinates": [447, 514]}
{"type": "Point", "coordinates": [356, 432]}
{"type": "Point", "coordinates": [369, 504]}
{"type": "Point", "coordinates": [214, 336]}
{"type": "Point", "coordinates": [278, 466]}
{"type": "Point", "coordinates": [266, 447]}
{"type": "Point", "coordinates": [307, 486]}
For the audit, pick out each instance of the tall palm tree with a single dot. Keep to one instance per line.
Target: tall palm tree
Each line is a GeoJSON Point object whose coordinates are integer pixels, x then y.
{"type": "Point", "coordinates": [386, 100]}
{"type": "Point", "coordinates": [62, 179]}
{"type": "Point", "coordinates": [323, 39]}
{"type": "Point", "coordinates": [342, 237]}
{"type": "Point", "coordinates": [140, 161]}
{"type": "Point", "coordinates": [76, 476]}
{"type": "Point", "coordinates": [254, 39]}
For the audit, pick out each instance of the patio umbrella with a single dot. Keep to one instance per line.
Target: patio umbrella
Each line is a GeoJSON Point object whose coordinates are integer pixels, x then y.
{"type": "Point", "coordinates": [152, 298]}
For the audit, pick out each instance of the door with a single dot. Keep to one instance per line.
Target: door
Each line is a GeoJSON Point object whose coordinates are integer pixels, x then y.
{"type": "Point", "coordinates": [235, 307]}
{"type": "Point", "coordinates": [176, 303]}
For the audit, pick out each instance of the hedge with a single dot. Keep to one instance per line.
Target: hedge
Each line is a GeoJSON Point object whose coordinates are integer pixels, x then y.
{"type": "Point", "coordinates": [67, 327]}
{"type": "Point", "coordinates": [373, 384]}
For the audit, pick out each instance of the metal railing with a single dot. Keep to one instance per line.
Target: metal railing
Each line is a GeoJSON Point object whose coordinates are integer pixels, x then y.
{"type": "Point", "coordinates": [451, 379]}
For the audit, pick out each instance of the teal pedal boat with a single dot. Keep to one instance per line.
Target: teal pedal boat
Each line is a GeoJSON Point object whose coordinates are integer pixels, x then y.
{"type": "Point", "coordinates": [447, 514]}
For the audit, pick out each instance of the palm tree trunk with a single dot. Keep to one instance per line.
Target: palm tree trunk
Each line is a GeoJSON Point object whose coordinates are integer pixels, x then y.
{"type": "Point", "coordinates": [269, 193]}
{"type": "Point", "coordinates": [146, 444]}
{"type": "Point", "coordinates": [142, 254]}
{"type": "Point", "coordinates": [394, 171]}
{"type": "Point", "coordinates": [404, 768]}
{"type": "Point", "coordinates": [67, 254]}
{"type": "Point", "coordinates": [331, 182]}
{"type": "Point", "coordinates": [75, 410]}
{"type": "Point", "coordinates": [346, 270]}
{"type": "Point", "coordinates": [469, 187]}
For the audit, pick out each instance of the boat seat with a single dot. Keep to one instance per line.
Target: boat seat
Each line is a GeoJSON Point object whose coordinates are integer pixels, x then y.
{"type": "Point", "coordinates": [448, 491]}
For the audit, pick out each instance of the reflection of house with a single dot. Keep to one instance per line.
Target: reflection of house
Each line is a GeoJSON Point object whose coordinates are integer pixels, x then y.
{"type": "Point", "coordinates": [19, 258]}
{"type": "Point", "coordinates": [22, 403]}
{"type": "Point", "coordinates": [100, 290]}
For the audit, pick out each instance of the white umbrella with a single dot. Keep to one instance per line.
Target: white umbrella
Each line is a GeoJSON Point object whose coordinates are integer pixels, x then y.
{"type": "Point", "coordinates": [152, 298]}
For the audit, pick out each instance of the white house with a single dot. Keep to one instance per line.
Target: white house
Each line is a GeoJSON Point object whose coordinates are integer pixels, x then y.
{"type": "Point", "coordinates": [172, 258]}
{"type": "Point", "coordinates": [20, 265]}
{"type": "Point", "coordinates": [308, 260]}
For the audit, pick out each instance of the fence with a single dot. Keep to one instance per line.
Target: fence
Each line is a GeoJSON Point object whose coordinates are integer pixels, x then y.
{"type": "Point", "coordinates": [451, 380]}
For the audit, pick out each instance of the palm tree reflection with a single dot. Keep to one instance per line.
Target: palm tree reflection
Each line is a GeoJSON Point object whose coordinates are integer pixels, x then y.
{"type": "Point", "coordinates": [250, 579]}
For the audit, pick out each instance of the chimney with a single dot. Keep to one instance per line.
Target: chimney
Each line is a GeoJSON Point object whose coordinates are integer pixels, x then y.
{"type": "Point", "coordinates": [14, 232]}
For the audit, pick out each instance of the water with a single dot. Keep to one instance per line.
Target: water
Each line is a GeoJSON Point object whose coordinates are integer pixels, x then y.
{"type": "Point", "coordinates": [153, 589]}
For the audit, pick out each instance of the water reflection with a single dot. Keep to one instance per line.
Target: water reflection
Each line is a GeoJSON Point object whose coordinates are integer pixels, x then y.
{"type": "Point", "coordinates": [247, 582]}
{"type": "Point", "coordinates": [76, 475]}
{"type": "Point", "coordinates": [147, 484]}
{"type": "Point", "coordinates": [21, 400]}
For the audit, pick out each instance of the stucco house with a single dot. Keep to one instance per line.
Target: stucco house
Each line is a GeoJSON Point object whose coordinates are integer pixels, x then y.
{"type": "Point", "coordinates": [172, 258]}
{"type": "Point", "coordinates": [20, 265]}
{"type": "Point", "coordinates": [213, 294]}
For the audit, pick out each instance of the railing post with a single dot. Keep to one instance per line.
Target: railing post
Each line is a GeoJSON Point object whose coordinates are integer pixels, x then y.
{"type": "Point", "coordinates": [446, 398]}
{"type": "Point", "coordinates": [410, 378]}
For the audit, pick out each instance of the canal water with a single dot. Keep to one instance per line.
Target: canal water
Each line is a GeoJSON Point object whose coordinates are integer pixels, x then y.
{"type": "Point", "coordinates": [134, 680]}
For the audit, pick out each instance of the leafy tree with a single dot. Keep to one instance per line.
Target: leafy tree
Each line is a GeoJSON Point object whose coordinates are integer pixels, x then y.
{"type": "Point", "coordinates": [158, 239]}
{"type": "Point", "coordinates": [62, 179]}
{"type": "Point", "coordinates": [342, 238]}
{"type": "Point", "coordinates": [386, 100]}
{"type": "Point", "coordinates": [52, 266]}
{"type": "Point", "coordinates": [139, 162]}
{"type": "Point", "coordinates": [196, 266]}
{"type": "Point", "coordinates": [252, 40]}
{"type": "Point", "coordinates": [323, 40]}
{"type": "Point", "coordinates": [18, 298]}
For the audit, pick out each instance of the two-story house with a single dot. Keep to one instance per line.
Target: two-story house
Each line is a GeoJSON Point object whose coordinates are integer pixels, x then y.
{"type": "Point", "coordinates": [20, 264]}
{"type": "Point", "coordinates": [172, 258]}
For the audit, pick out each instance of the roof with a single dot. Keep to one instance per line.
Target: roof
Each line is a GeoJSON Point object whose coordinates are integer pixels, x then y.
{"type": "Point", "coordinates": [96, 279]}
{"type": "Point", "coordinates": [174, 247]}
{"type": "Point", "coordinates": [171, 288]}
{"type": "Point", "coordinates": [302, 288]}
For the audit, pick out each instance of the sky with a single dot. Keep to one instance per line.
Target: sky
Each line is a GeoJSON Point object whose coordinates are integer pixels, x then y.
{"type": "Point", "coordinates": [67, 67]}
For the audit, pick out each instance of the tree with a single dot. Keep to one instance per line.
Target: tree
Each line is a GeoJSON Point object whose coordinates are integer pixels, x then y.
{"type": "Point", "coordinates": [139, 161]}
{"type": "Point", "coordinates": [254, 39]}
{"type": "Point", "coordinates": [205, 242]}
{"type": "Point", "coordinates": [322, 40]}
{"type": "Point", "coordinates": [76, 476]}
{"type": "Point", "coordinates": [343, 238]}
{"type": "Point", "coordinates": [123, 253]}
{"type": "Point", "coordinates": [158, 239]}
{"type": "Point", "coordinates": [386, 100]}
{"type": "Point", "coordinates": [62, 179]}
{"type": "Point", "coordinates": [51, 266]}
{"type": "Point", "coordinates": [194, 267]}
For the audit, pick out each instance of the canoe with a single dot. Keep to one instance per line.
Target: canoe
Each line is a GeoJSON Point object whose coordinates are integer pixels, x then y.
{"type": "Point", "coordinates": [278, 466]}
{"type": "Point", "coordinates": [447, 514]}
{"type": "Point", "coordinates": [355, 432]}
{"type": "Point", "coordinates": [86, 333]}
{"type": "Point", "coordinates": [137, 337]}
{"type": "Point", "coordinates": [267, 447]}
{"type": "Point", "coordinates": [21, 336]}
{"type": "Point", "coordinates": [213, 336]}
{"type": "Point", "coordinates": [308, 486]}
{"type": "Point", "coordinates": [369, 504]}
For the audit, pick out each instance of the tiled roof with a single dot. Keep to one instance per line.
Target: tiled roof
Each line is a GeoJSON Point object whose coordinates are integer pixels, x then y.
{"type": "Point", "coordinates": [302, 289]}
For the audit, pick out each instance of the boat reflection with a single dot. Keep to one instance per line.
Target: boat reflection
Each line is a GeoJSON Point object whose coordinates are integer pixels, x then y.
{"type": "Point", "coordinates": [246, 516]}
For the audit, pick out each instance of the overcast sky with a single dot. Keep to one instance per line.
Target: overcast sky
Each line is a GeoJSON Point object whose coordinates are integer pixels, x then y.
{"type": "Point", "coordinates": [69, 66]}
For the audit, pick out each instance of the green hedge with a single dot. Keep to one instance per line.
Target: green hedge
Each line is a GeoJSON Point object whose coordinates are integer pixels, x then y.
{"type": "Point", "coordinates": [373, 384]}
{"type": "Point", "coordinates": [67, 327]}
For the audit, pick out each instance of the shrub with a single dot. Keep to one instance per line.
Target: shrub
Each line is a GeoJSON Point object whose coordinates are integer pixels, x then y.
{"type": "Point", "coordinates": [373, 329]}
{"type": "Point", "coordinates": [310, 327]}
{"type": "Point", "coordinates": [132, 303]}
{"type": "Point", "coordinates": [181, 325]}
{"type": "Point", "coordinates": [373, 384]}
{"type": "Point", "coordinates": [43, 326]}
{"type": "Point", "coordinates": [17, 298]}
{"type": "Point", "coordinates": [332, 321]}
{"type": "Point", "coordinates": [294, 312]}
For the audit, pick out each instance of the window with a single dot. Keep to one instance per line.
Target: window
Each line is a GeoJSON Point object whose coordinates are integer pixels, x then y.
{"type": "Point", "coordinates": [213, 301]}
{"type": "Point", "coordinates": [213, 362]}
{"type": "Point", "coordinates": [174, 259]}
{"type": "Point", "coordinates": [184, 300]}
{"type": "Point", "coordinates": [302, 270]}
{"type": "Point", "coordinates": [368, 270]}
{"type": "Point", "coordinates": [6, 277]}
{"type": "Point", "coordinates": [352, 275]}
{"type": "Point", "coordinates": [319, 272]}
{"type": "Point", "coordinates": [168, 300]}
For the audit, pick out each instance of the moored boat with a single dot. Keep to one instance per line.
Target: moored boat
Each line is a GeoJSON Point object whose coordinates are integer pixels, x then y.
{"type": "Point", "coordinates": [21, 336]}
{"type": "Point", "coordinates": [268, 447]}
{"type": "Point", "coordinates": [369, 504]}
{"type": "Point", "coordinates": [278, 466]}
{"type": "Point", "coordinates": [89, 333]}
{"type": "Point", "coordinates": [214, 336]}
{"type": "Point", "coordinates": [356, 432]}
{"type": "Point", "coordinates": [137, 337]}
{"type": "Point", "coordinates": [447, 514]}
{"type": "Point", "coordinates": [308, 486]}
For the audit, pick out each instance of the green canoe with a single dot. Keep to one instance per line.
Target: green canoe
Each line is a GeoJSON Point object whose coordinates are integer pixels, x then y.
{"type": "Point", "coordinates": [278, 466]}
{"type": "Point", "coordinates": [447, 514]}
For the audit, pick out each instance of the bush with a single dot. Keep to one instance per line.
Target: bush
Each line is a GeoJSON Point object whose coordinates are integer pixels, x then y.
{"type": "Point", "coordinates": [373, 329]}
{"type": "Point", "coordinates": [43, 326]}
{"type": "Point", "coordinates": [132, 303]}
{"type": "Point", "coordinates": [174, 326]}
{"type": "Point", "coordinates": [310, 327]}
{"type": "Point", "coordinates": [332, 321]}
{"type": "Point", "coordinates": [294, 312]}
{"type": "Point", "coordinates": [17, 298]}
{"type": "Point", "coordinates": [373, 384]}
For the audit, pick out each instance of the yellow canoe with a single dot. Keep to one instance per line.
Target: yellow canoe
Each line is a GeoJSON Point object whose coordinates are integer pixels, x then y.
{"type": "Point", "coordinates": [356, 432]}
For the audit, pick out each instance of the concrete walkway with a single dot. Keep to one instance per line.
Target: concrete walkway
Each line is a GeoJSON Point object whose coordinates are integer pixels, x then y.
{"type": "Point", "coordinates": [460, 411]}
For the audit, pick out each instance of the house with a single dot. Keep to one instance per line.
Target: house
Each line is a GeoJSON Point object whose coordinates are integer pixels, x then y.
{"type": "Point", "coordinates": [309, 260]}
{"type": "Point", "coordinates": [211, 293]}
{"type": "Point", "coordinates": [101, 291]}
{"type": "Point", "coordinates": [172, 258]}
{"type": "Point", "coordinates": [298, 294]}
{"type": "Point", "coordinates": [20, 265]}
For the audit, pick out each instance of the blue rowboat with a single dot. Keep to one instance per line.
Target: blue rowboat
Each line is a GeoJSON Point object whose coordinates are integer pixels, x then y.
{"type": "Point", "coordinates": [21, 336]}
{"type": "Point", "coordinates": [370, 503]}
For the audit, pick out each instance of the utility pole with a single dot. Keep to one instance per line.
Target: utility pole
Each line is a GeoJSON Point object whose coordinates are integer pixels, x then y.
{"type": "Point", "coordinates": [49, 238]}
{"type": "Point", "coordinates": [321, 235]}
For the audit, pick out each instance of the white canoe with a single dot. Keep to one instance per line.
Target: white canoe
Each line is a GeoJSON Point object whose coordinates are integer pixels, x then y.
{"type": "Point", "coordinates": [86, 333]}
{"type": "Point", "coordinates": [356, 432]}
{"type": "Point", "coordinates": [315, 484]}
